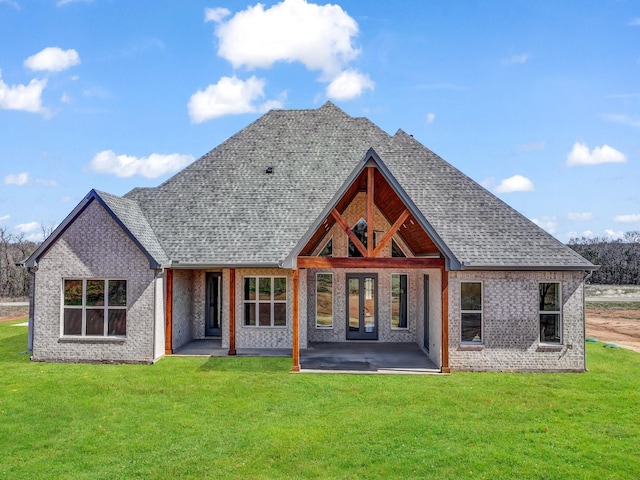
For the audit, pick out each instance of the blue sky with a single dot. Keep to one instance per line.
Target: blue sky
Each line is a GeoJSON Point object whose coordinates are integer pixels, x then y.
{"type": "Point", "coordinates": [539, 101]}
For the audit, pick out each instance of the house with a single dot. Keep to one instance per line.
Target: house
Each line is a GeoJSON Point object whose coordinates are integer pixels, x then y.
{"type": "Point", "coordinates": [310, 226]}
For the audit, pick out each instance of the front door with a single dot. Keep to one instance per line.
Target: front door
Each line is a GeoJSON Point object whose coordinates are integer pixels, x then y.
{"type": "Point", "coordinates": [213, 304]}
{"type": "Point", "coordinates": [362, 306]}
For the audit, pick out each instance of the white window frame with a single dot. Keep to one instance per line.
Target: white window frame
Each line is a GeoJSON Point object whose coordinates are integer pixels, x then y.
{"type": "Point", "coordinates": [325, 246]}
{"type": "Point", "coordinates": [391, 304]}
{"type": "Point", "coordinates": [325, 327]}
{"type": "Point", "coordinates": [551, 312]}
{"type": "Point", "coordinates": [106, 307]}
{"type": "Point", "coordinates": [272, 302]}
{"type": "Point", "coordinates": [481, 312]}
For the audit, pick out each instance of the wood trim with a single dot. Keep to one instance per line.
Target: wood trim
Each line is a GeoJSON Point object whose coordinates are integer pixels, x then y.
{"type": "Point", "coordinates": [347, 229]}
{"type": "Point", "coordinates": [168, 314]}
{"type": "Point", "coordinates": [349, 262]}
{"type": "Point", "coordinates": [295, 314]}
{"type": "Point", "coordinates": [445, 321]}
{"type": "Point", "coordinates": [391, 232]}
{"type": "Point", "coordinates": [232, 311]}
{"type": "Point", "coordinates": [370, 210]}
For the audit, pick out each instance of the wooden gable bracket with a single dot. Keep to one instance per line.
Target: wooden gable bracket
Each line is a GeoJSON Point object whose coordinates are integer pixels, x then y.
{"type": "Point", "coordinates": [356, 241]}
{"type": "Point", "coordinates": [391, 232]}
{"type": "Point", "coordinates": [370, 211]}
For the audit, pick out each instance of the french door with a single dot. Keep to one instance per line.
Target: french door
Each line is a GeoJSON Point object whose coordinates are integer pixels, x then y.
{"type": "Point", "coordinates": [362, 306]}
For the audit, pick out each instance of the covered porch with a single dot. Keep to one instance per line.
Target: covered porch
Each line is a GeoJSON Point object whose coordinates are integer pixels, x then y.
{"type": "Point", "coordinates": [333, 357]}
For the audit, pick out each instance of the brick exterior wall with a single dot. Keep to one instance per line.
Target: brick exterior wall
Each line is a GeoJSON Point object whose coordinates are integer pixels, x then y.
{"type": "Point", "coordinates": [94, 246]}
{"type": "Point", "coordinates": [511, 323]}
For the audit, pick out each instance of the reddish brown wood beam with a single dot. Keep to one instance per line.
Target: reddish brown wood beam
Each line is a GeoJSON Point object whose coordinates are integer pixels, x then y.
{"type": "Point", "coordinates": [445, 321]}
{"type": "Point", "coordinates": [347, 229]}
{"type": "Point", "coordinates": [295, 313]}
{"type": "Point", "coordinates": [348, 262]}
{"type": "Point", "coordinates": [232, 311]}
{"type": "Point", "coordinates": [370, 210]}
{"type": "Point", "coordinates": [168, 314]}
{"type": "Point", "coordinates": [391, 232]}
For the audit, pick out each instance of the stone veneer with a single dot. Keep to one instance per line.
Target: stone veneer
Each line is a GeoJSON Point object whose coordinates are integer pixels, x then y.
{"type": "Point", "coordinates": [511, 323]}
{"type": "Point", "coordinates": [93, 247]}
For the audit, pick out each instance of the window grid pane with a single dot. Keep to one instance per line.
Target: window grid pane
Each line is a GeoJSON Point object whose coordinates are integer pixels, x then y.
{"type": "Point", "coordinates": [324, 300]}
{"type": "Point", "coordinates": [267, 306]}
{"type": "Point", "coordinates": [550, 313]}
{"type": "Point", "coordinates": [471, 312]}
{"type": "Point", "coordinates": [86, 309]}
{"type": "Point", "coordinates": [398, 301]}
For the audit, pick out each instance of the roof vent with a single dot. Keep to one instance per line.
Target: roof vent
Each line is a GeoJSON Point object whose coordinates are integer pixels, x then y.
{"type": "Point", "coordinates": [269, 170]}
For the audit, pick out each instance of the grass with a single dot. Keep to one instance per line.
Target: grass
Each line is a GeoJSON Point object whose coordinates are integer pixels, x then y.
{"type": "Point", "coordinates": [250, 418]}
{"type": "Point", "coordinates": [622, 305]}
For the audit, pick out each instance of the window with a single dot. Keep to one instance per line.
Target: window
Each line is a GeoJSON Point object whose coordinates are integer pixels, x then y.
{"type": "Point", "coordinates": [360, 230]}
{"type": "Point", "coordinates": [324, 300]}
{"type": "Point", "coordinates": [471, 312]}
{"type": "Point", "coordinates": [398, 300]}
{"type": "Point", "coordinates": [265, 301]}
{"type": "Point", "coordinates": [327, 250]}
{"type": "Point", "coordinates": [95, 308]}
{"type": "Point", "coordinates": [396, 250]}
{"type": "Point", "coordinates": [550, 313]}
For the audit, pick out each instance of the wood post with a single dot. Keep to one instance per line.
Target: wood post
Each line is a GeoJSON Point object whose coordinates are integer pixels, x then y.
{"type": "Point", "coordinates": [232, 311]}
{"type": "Point", "coordinates": [370, 210]}
{"type": "Point", "coordinates": [445, 321]}
{"type": "Point", "coordinates": [168, 313]}
{"type": "Point", "coordinates": [295, 313]}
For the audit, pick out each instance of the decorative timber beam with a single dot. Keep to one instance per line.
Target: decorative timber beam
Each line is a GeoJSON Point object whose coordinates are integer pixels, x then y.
{"type": "Point", "coordinates": [168, 314]}
{"type": "Point", "coordinates": [343, 224]}
{"type": "Point", "coordinates": [391, 232]}
{"type": "Point", "coordinates": [371, 262]}
{"type": "Point", "coordinates": [295, 313]}
{"type": "Point", "coordinates": [370, 211]}
{"type": "Point", "coordinates": [232, 311]}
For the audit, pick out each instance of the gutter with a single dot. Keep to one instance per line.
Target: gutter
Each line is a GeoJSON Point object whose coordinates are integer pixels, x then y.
{"type": "Point", "coordinates": [532, 268]}
{"type": "Point", "coordinates": [178, 265]}
{"type": "Point", "coordinates": [585, 279]}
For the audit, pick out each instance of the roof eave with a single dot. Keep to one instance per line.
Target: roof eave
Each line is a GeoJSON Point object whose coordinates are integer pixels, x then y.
{"type": "Point", "coordinates": [177, 265]}
{"type": "Point", "coordinates": [536, 268]}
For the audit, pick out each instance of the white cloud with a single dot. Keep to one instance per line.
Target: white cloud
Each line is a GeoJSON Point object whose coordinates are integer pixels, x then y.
{"type": "Point", "coordinates": [11, 3]}
{"type": "Point", "coordinates": [622, 119]}
{"type": "Point", "coordinates": [517, 183]}
{"type": "Point", "coordinates": [65, 98]}
{"type": "Point", "coordinates": [4, 218]}
{"type": "Point", "coordinates": [580, 155]}
{"type": "Point", "coordinates": [548, 223]}
{"type": "Point", "coordinates": [317, 36]}
{"type": "Point", "coordinates": [126, 166]}
{"type": "Point", "coordinates": [349, 84]}
{"type": "Point", "coordinates": [46, 182]}
{"type": "Point", "coordinates": [430, 118]}
{"type": "Point", "coordinates": [22, 97]}
{"type": "Point", "coordinates": [229, 96]}
{"type": "Point", "coordinates": [516, 59]}
{"type": "Point", "coordinates": [580, 217]}
{"type": "Point", "coordinates": [52, 59]}
{"type": "Point", "coordinates": [632, 218]}
{"type": "Point", "coordinates": [27, 227]}
{"type": "Point", "coordinates": [215, 14]}
{"type": "Point", "coordinates": [531, 147]}
{"type": "Point", "coordinates": [66, 199]}
{"type": "Point", "coordinates": [19, 179]}
{"type": "Point", "coordinates": [614, 234]}
{"type": "Point", "coordinates": [66, 2]}
{"type": "Point", "coordinates": [635, 22]}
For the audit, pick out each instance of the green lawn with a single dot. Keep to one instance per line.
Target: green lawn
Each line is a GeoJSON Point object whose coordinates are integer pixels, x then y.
{"type": "Point", "coordinates": [250, 418]}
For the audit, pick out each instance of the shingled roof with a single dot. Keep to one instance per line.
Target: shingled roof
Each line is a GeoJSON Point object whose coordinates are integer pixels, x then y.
{"type": "Point", "coordinates": [225, 210]}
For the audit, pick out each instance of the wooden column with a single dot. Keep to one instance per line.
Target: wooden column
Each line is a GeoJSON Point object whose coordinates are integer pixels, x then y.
{"type": "Point", "coordinates": [370, 210]}
{"type": "Point", "coordinates": [295, 313]}
{"type": "Point", "coordinates": [232, 311]}
{"type": "Point", "coordinates": [445, 321]}
{"type": "Point", "coordinates": [168, 313]}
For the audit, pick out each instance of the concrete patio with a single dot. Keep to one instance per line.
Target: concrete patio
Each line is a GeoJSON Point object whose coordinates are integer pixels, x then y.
{"type": "Point", "coordinates": [333, 357]}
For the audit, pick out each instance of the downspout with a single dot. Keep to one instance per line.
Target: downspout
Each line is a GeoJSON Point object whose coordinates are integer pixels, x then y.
{"type": "Point", "coordinates": [32, 306]}
{"type": "Point", "coordinates": [585, 279]}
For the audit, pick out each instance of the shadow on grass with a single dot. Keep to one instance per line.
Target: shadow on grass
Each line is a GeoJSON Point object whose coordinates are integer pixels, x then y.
{"type": "Point", "coordinates": [247, 364]}
{"type": "Point", "coordinates": [13, 343]}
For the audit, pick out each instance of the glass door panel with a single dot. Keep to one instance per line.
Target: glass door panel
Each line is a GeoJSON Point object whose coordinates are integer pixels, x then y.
{"type": "Point", "coordinates": [354, 304]}
{"type": "Point", "coordinates": [213, 304]}
{"type": "Point", "coordinates": [362, 307]}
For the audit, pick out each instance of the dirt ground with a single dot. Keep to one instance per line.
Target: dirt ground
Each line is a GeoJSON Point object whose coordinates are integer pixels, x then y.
{"type": "Point", "coordinates": [621, 327]}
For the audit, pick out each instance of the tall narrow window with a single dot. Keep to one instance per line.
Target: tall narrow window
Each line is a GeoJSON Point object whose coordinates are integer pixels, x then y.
{"type": "Point", "coordinates": [550, 313]}
{"type": "Point", "coordinates": [471, 312]}
{"type": "Point", "coordinates": [398, 300]}
{"type": "Point", "coordinates": [396, 251]}
{"type": "Point", "coordinates": [360, 230]}
{"type": "Point", "coordinates": [265, 301]}
{"type": "Point", "coordinates": [324, 300]}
